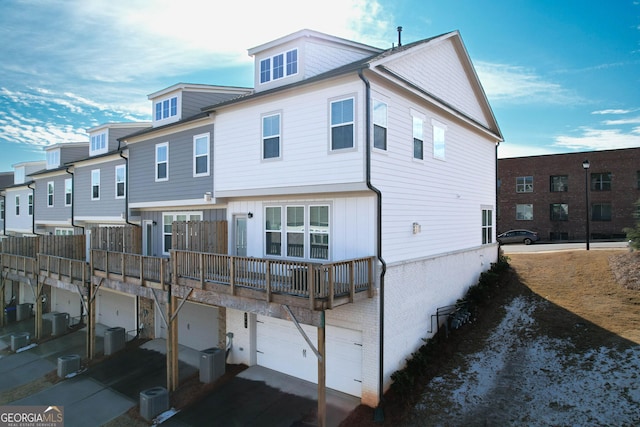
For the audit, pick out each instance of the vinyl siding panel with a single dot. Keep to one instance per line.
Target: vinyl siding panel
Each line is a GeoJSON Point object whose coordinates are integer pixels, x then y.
{"type": "Point", "coordinates": [193, 102]}
{"type": "Point", "coordinates": [59, 212]}
{"type": "Point", "coordinates": [443, 196]}
{"type": "Point", "coordinates": [70, 154]}
{"type": "Point", "coordinates": [305, 155]}
{"type": "Point", "coordinates": [108, 205]}
{"type": "Point", "coordinates": [22, 223]}
{"type": "Point", "coordinates": [115, 133]}
{"type": "Point", "coordinates": [438, 70]}
{"type": "Point", "coordinates": [181, 185]}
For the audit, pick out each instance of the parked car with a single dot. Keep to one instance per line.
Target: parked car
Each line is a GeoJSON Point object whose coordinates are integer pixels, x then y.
{"type": "Point", "coordinates": [518, 236]}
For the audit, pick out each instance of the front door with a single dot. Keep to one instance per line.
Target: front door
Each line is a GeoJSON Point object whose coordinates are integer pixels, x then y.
{"type": "Point", "coordinates": [240, 235]}
{"type": "Point", "coordinates": [147, 238]}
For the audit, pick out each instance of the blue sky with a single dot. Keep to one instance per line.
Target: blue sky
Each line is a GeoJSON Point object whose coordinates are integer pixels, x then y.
{"type": "Point", "coordinates": [561, 75]}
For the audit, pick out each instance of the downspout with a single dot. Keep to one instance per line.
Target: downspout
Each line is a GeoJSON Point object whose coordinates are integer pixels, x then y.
{"type": "Point", "coordinates": [126, 191]}
{"type": "Point", "coordinates": [73, 196]}
{"type": "Point", "coordinates": [379, 412]}
{"type": "Point", "coordinates": [33, 208]}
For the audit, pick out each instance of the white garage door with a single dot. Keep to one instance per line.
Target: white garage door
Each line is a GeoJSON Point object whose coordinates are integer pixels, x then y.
{"type": "Point", "coordinates": [281, 347]}
{"type": "Point", "coordinates": [116, 309]}
{"type": "Point", "coordinates": [27, 295]}
{"type": "Point", "coordinates": [197, 325]}
{"type": "Point", "coordinates": [64, 301]}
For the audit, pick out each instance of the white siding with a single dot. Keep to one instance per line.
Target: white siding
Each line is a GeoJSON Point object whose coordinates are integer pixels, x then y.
{"type": "Point", "coordinates": [22, 223]}
{"type": "Point", "coordinates": [306, 159]}
{"type": "Point", "coordinates": [442, 74]}
{"type": "Point", "coordinates": [443, 196]}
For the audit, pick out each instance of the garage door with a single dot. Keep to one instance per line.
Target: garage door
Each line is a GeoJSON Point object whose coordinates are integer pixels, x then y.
{"type": "Point", "coordinates": [26, 294]}
{"type": "Point", "coordinates": [197, 325]}
{"type": "Point", "coordinates": [64, 301]}
{"type": "Point", "coordinates": [116, 309]}
{"type": "Point", "coordinates": [281, 347]}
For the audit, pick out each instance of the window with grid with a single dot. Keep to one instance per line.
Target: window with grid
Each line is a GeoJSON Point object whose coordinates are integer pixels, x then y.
{"type": "Point", "coordinates": [559, 183]}
{"type": "Point", "coordinates": [524, 184]}
{"type": "Point", "coordinates": [121, 181]}
{"type": "Point", "coordinates": [601, 181]}
{"type": "Point", "coordinates": [524, 212]}
{"type": "Point", "coordinates": [98, 143]}
{"type": "Point", "coordinates": [487, 226]}
{"type": "Point", "coordinates": [279, 66]}
{"type": "Point", "coordinates": [166, 108]}
{"type": "Point", "coordinates": [17, 205]}
{"type": "Point", "coordinates": [201, 155]}
{"type": "Point", "coordinates": [342, 124]}
{"type": "Point", "coordinates": [68, 192]}
{"type": "Point", "coordinates": [305, 233]}
{"type": "Point", "coordinates": [2, 210]}
{"type": "Point", "coordinates": [379, 125]}
{"type": "Point", "coordinates": [271, 136]}
{"type": "Point", "coordinates": [418, 138]}
{"type": "Point", "coordinates": [95, 184]}
{"type": "Point", "coordinates": [162, 161]}
{"type": "Point", "coordinates": [601, 212]}
{"type": "Point", "coordinates": [30, 204]}
{"type": "Point", "coordinates": [559, 212]}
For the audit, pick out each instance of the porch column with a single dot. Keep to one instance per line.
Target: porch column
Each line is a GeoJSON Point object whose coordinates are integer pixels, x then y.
{"type": "Point", "coordinates": [172, 341]}
{"type": "Point", "coordinates": [322, 398]}
{"type": "Point", "coordinates": [38, 308]}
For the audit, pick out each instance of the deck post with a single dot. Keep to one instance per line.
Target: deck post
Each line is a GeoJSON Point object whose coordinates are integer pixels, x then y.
{"type": "Point", "coordinates": [322, 397]}
{"type": "Point", "coordinates": [2, 297]}
{"type": "Point", "coordinates": [38, 308]}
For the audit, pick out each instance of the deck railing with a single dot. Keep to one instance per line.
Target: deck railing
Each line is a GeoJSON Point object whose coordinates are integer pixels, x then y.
{"type": "Point", "coordinates": [134, 268]}
{"type": "Point", "coordinates": [19, 264]}
{"type": "Point", "coordinates": [65, 269]}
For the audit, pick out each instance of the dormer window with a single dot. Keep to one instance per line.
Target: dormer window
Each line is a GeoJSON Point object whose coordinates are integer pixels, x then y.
{"type": "Point", "coordinates": [53, 159]}
{"type": "Point", "coordinates": [279, 66]}
{"type": "Point", "coordinates": [166, 108]}
{"type": "Point", "coordinates": [98, 143]}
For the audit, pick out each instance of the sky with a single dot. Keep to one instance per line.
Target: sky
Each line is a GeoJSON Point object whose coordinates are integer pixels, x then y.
{"type": "Point", "coordinates": [560, 75]}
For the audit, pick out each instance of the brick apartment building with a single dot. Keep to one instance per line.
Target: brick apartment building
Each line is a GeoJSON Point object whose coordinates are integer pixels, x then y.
{"type": "Point", "coordinates": [547, 194]}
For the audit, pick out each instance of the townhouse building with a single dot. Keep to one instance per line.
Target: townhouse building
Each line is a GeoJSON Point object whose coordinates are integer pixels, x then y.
{"type": "Point", "coordinates": [342, 183]}
{"type": "Point", "coordinates": [19, 197]}
{"type": "Point", "coordinates": [6, 179]}
{"type": "Point", "coordinates": [555, 196]}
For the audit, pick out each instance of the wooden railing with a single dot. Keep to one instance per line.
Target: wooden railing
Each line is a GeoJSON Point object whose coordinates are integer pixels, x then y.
{"type": "Point", "coordinates": [131, 268]}
{"type": "Point", "coordinates": [65, 269]}
{"type": "Point", "coordinates": [19, 264]}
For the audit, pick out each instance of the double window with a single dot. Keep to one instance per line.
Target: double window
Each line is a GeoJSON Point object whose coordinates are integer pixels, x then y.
{"type": "Point", "coordinates": [162, 161]}
{"type": "Point", "coordinates": [487, 226]}
{"type": "Point", "coordinates": [201, 155]}
{"type": "Point", "coordinates": [30, 201]}
{"type": "Point", "coordinates": [166, 108]}
{"type": "Point", "coordinates": [559, 212]}
{"type": "Point", "coordinates": [342, 124]}
{"type": "Point", "coordinates": [50, 194]}
{"type": "Point", "coordinates": [379, 125]}
{"type": "Point", "coordinates": [167, 226]}
{"type": "Point", "coordinates": [121, 181]}
{"type": "Point", "coordinates": [297, 231]}
{"type": "Point", "coordinates": [99, 143]}
{"type": "Point", "coordinates": [271, 136]}
{"type": "Point", "coordinates": [279, 66]}
{"type": "Point", "coordinates": [601, 181]}
{"type": "Point", "coordinates": [524, 184]}
{"type": "Point", "coordinates": [68, 192]}
{"type": "Point", "coordinates": [95, 184]}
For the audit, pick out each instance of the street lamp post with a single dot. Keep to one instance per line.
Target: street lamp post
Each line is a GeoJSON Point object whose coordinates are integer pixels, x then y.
{"type": "Point", "coordinates": [586, 165]}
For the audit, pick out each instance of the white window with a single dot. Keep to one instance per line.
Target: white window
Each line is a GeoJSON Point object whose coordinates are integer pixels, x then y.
{"type": "Point", "coordinates": [167, 225]}
{"type": "Point", "coordinates": [30, 202]}
{"type": "Point", "coordinates": [379, 125]}
{"type": "Point", "coordinates": [271, 136]}
{"type": "Point", "coordinates": [95, 184]}
{"type": "Point", "coordinates": [487, 226]}
{"type": "Point", "coordinates": [63, 231]}
{"type": "Point", "coordinates": [524, 212]}
{"type": "Point", "coordinates": [2, 210]}
{"type": "Point", "coordinates": [162, 161]}
{"type": "Point", "coordinates": [342, 124]}
{"type": "Point", "coordinates": [438, 139]}
{"type": "Point", "coordinates": [279, 66]}
{"type": "Point", "coordinates": [121, 182]}
{"type": "Point", "coordinates": [305, 233]}
{"type": "Point", "coordinates": [166, 108]}
{"type": "Point", "coordinates": [68, 192]}
{"type": "Point", "coordinates": [50, 193]}
{"type": "Point", "coordinates": [418, 138]}
{"type": "Point", "coordinates": [53, 159]}
{"type": "Point", "coordinates": [99, 143]}
{"type": "Point", "coordinates": [17, 205]}
{"type": "Point", "coordinates": [201, 155]}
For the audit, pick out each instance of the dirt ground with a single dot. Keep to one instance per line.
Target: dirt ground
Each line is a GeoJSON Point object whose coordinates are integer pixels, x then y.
{"type": "Point", "coordinates": [556, 343]}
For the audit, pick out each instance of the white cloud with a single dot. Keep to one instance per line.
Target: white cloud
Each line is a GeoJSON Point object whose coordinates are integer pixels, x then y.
{"type": "Point", "coordinates": [627, 121]}
{"type": "Point", "coordinates": [515, 84]}
{"type": "Point", "coordinates": [613, 111]}
{"type": "Point", "coordinates": [599, 139]}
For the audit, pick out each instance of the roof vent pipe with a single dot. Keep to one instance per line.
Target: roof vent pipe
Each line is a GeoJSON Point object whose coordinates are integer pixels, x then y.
{"type": "Point", "coordinates": [399, 36]}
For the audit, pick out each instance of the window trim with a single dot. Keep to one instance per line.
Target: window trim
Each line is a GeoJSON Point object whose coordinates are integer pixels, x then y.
{"type": "Point", "coordinates": [341, 124]}
{"type": "Point", "coordinates": [94, 184]}
{"type": "Point", "coordinates": [166, 146]}
{"type": "Point", "coordinates": [30, 204]}
{"type": "Point", "coordinates": [124, 181]}
{"type": "Point", "coordinates": [99, 143]}
{"type": "Point", "coordinates": [267, 67]}
{"type": "Point", "coordinates": [552, 187]}
{"type": "Point", "coordinates": [159, 109]}
{"type": "Point", "coordinates": [264, 138]}
{"type": "Point", "coordinates": [17, 200]}
{"type": "Point", "coordinates": [206, 135]}
{"type": "Point", "coordinates": [68, 191]}
{"type": "Point", "coordinates": [51, 191]}
{"type": "Point", "coordinates": [377, 103]}
{"type": "Point", "coordinates": [487, 226]}
{"type": "Point", "coordinates": [525, 186]}
{"type": "Point", "coordinates": [597, 183]}
{"type": "Point", "coordinates": [417, 118]}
